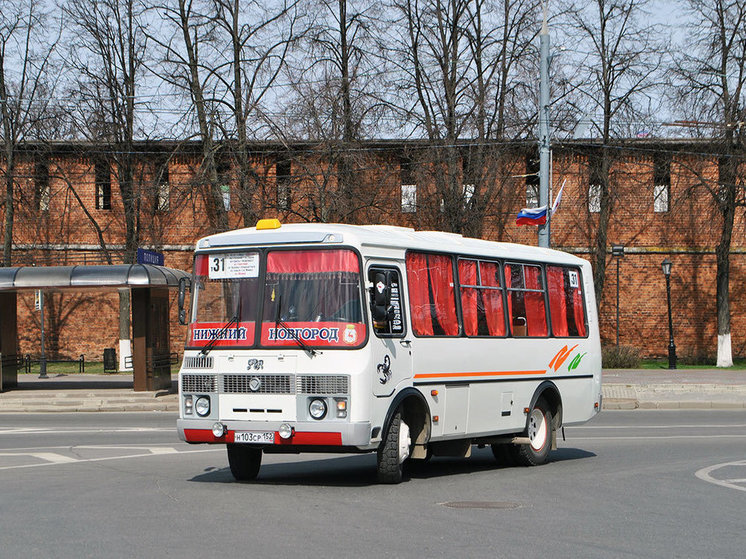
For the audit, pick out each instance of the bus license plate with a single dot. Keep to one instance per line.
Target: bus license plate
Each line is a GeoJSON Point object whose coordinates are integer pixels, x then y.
{"type": "Point", "coordinates": [256, 437]}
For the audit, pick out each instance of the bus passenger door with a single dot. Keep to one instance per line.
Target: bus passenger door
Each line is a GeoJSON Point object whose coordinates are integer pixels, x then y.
{"type": "Point", "coordinates": [389, 339]}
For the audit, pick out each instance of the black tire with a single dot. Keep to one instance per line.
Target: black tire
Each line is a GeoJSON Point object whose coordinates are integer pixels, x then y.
{"type": "Point", "coordinates": [539, 430]}
{"type": "Point", "coordinates": [245, 461]}
{"type": "Point", "coordinates": [390, 465]}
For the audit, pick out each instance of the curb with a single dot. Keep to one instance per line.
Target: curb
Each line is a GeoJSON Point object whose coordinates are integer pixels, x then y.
{"type": "Point", "coordinates": [633, 404]}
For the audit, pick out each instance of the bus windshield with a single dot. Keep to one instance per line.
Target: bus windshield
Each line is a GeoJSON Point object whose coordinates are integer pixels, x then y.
{"type": "Point", "coordinates": [309, 298]}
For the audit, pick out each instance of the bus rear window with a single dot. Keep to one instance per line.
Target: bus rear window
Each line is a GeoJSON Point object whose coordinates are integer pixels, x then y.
{"type": "Point", "coordinates": [566, 302]}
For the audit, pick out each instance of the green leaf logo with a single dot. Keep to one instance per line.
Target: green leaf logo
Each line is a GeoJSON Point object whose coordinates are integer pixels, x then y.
{"type": "Point", "coordinates": [575, 362]}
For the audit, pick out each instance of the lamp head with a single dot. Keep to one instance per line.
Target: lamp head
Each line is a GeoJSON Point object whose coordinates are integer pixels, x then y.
{"type": "Point", "coordinates": [666, 266]}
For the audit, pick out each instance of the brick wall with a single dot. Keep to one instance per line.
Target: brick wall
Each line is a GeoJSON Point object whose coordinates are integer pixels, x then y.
{"type": "Point", "coordinates": [686, 234]}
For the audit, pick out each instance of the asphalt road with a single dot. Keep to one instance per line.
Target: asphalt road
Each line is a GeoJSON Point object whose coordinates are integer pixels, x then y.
{"type": "Point", "coordinates": [629, 484]}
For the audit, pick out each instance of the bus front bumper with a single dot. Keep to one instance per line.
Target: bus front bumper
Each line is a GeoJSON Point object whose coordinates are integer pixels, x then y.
{"type": "Point", "coordinates": [304, 433]}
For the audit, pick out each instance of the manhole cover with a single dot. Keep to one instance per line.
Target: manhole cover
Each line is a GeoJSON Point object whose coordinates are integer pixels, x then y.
{"type": "Point", "coordinates": [481, 505]}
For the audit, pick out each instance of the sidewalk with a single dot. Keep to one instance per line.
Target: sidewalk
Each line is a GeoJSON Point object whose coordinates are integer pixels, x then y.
{"type": "Point", "coordinates": [628, 389]}
{"type": "Point", "coordinates": [623, 389]}
{"type": "Point", "coordinates": [85, 393]}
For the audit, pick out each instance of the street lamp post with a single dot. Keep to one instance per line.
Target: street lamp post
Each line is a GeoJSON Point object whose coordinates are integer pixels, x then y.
{"type": "Point", "coordinates": [666, 266]}
{"type": "Point", "coordinates": [618, 252]}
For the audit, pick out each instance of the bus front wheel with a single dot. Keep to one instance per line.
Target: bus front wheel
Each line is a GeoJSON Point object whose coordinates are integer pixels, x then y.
{"type": "Point", "coordinates": [539, 432]}
{"type": "Point", "coordinates": [245, 461]}
{"type": "Point", "coordinates": [394, 450]}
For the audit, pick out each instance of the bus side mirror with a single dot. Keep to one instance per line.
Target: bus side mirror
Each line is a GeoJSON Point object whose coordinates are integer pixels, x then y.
{"type": "Point", "coordinates": [380, 307]}
{"type": "Point", "coordinates": [184, 284]}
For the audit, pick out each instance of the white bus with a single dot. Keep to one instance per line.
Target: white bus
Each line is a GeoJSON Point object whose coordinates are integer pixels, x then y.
{"type": "Point", "coordinates": [342, 338]}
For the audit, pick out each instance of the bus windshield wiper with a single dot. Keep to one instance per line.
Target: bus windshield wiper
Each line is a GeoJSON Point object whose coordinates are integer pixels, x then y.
{"type": "Point", "coordinates": [218, 335]}
{"type": "Point", "coordinates": [293, 334]}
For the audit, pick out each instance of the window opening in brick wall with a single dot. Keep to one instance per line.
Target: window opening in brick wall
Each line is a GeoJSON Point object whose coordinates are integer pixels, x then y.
{"type": "Point", "coordinates": [102, 174]}
{"type": "Point", "coordinates": [163, 190]}
{"type": "Point", "coordinates": [408, 198]}
{"type": "Point", "coordinates": [724, 178]}
{"type": "Point", "coordinates": [594, 198]}
{"type": "Point", "coordinates": [408, 187]}
{"type": "Point", "coordinates": [283, 174]}
{"type": "Point", "coordinates": [661, 183]}
{"type": "Point", "coordinates": [41, 185]}
{"type": "Point", "coordinates": [469, 178]}
{"type": "Point", "coordinates": [595, 186]}
{"type": "Point", "coordinates": [223, 170]}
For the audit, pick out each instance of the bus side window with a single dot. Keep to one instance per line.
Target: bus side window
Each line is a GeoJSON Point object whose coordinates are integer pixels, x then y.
{"type": "Point", "coordinates": [394, 327]}
{"type": "Point", "coordinates": [526, 306]}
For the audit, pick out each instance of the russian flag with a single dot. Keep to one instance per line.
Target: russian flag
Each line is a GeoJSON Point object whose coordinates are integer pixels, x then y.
{"type": "Point", "coordinates": [532, 216]}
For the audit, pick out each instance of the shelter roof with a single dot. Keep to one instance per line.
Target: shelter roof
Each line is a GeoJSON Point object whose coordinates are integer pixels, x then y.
{"type": "Point", "coordinates": [88, 277]}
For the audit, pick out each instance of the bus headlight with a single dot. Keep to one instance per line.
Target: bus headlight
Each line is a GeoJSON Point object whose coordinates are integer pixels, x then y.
{"type": "Point", "coordinates": [202, 406]}
{"type": "Point", "coordinates": [317, 408]}
{"type": "Point", "coordinates": [188, 405]}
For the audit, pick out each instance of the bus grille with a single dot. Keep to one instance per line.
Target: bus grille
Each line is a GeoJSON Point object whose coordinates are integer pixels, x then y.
{"type": "Point", "coordinates": [198, 362]}
{"type": "Point", "coordinates": [327, 384]}
{"type": "Point", "coordinates": [199, 383]}
{"type": "Point", "coordinates": [268, 384]}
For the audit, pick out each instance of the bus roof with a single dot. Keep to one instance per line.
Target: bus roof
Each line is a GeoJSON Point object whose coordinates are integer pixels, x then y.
{"type": "Point", "coordinates": [381, 237]}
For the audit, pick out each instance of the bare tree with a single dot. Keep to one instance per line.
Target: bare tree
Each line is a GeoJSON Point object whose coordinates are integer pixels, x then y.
{"type": "Point", "coordinates": [107, 53]}
{"type": "Point", "coordinates": [615, 79]}
{"type": "Point", "coordinates": [464, 82]}
{"type": "Point", "coordinates": [502, 38]}
{"type": "Point", "coordinates": [335, 104]}
{"type": "Point", "coordinates": [259, 35]}
{"type": "Point", "coordinates": [189, 56]}
{"type": "Point", "coordinates": [25, 90]}
{"type": "Point", "coordinates": [711, 70]}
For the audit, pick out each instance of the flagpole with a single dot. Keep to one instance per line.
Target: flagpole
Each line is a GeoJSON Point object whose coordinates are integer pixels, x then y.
{"type": "Point", "coordinates": [544, 127]}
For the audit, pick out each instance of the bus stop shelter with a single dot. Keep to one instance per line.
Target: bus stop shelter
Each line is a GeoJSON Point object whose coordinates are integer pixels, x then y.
{"type": "Point", "coordinates": [148, 285]}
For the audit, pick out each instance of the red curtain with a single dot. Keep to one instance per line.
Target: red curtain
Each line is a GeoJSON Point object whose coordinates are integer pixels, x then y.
{"type": "Point", "coordinates": [311, 261]}
{"type": "Point", "coordinates": [536, 316]}
{"type": "Point", "coordinates": [577, 300]}
{"type": "Point", "coordinates": [419, 300]}
{"type": "Point", "coordinates": [201, 265]}
{"type": "Point", "coordinates": [508, 283]}
{"type": "Point", "coordinates": [557, 304]}
{"type": "Point", "coordinates": [441, 278]}
{"type": "Point", "coordinates": [467, 272]}
{"type": "Point", "coordinates": [492, 298]}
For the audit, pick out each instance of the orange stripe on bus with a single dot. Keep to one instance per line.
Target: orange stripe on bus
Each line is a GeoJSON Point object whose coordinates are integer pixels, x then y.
{"type": "Point", "coordinates": [484, 374]}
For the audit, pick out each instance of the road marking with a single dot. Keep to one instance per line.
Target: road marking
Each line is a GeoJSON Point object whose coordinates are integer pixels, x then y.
{"type": "Point", "coordinates": [45, 431]}
{"type": "Point", "coordinates": [151, 449]}
{"type": "Point", "coordinates": [705, 474]}
{"type": "Point", "coordinates": [698, 426]}
{"type": "Point", "coordinates": [103, 459]}
{"type": "Point", "coordinates": [51, 457]}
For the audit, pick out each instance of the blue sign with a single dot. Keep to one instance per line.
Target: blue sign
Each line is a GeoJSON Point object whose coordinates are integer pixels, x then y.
{"type": "Point", "coordinates": [145, 256]}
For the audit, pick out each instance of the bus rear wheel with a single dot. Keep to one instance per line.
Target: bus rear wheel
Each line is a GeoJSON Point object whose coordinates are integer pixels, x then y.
{"type": "Point", "coordinates": [245, 461]}
{"type": "Point", "coordinates": [539, 432]}
{"type": "Point", "coordinates": [394, 450]}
